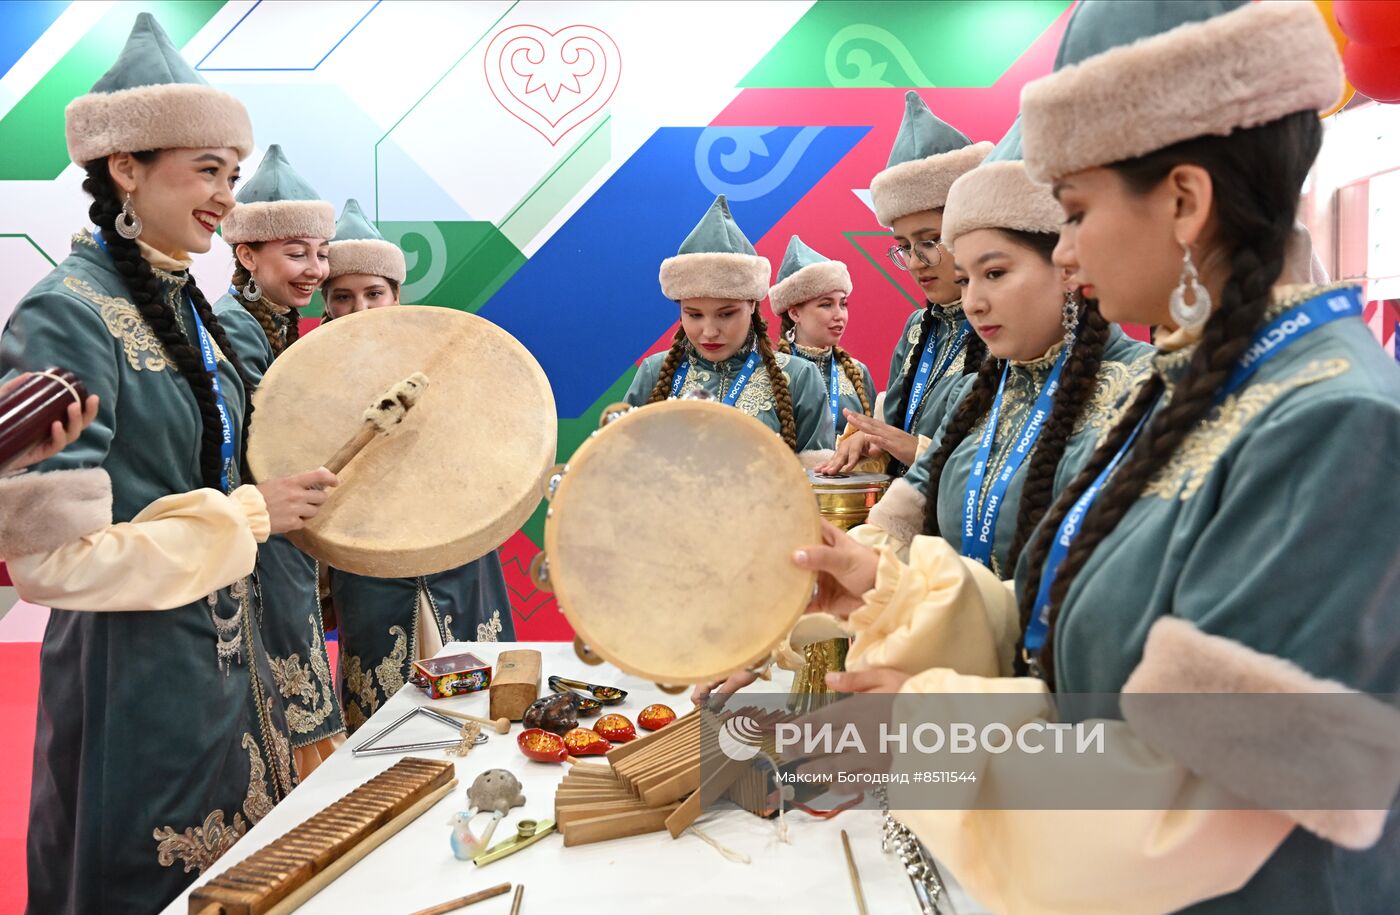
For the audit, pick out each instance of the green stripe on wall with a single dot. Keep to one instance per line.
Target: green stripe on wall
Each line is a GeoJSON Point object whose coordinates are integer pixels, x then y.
{"type": "Point", "coordinates": [32, 143]}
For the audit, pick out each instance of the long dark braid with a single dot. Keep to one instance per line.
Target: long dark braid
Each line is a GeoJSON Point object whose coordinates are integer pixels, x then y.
{"type": "Point", "coordinates": [844, 359]}
{"type": "Point", "coordinates": [1257, 175]}
{"type": "Point", "coordinates": [264, 311]}
{"type": "Point", "coordinates": [782, 394]}
{"type": "Point", "coordinates": [1078, 382]}
{"type": "Point", "coordinates": [148, 296]}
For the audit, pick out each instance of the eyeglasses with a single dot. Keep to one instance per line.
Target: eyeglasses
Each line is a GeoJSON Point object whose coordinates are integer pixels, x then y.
{"type": "Point", "coordinates": [930, 252]}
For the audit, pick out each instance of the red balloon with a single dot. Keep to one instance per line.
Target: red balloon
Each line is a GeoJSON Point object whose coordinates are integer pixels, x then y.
{"type": "Point", "coordinates": [1375, 72]}
{"type": "Point", "coordinates": [1373, 22]}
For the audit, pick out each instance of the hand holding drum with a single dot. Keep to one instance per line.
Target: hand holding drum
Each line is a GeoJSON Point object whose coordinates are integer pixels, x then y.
{"type": "Point", "coordinates": [41, 413]}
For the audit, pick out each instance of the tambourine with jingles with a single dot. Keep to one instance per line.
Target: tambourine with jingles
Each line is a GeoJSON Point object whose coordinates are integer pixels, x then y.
{"type": "Point", "coordinates": [456, 475]}
{"type": "Point", "coordinates": [669, 538]}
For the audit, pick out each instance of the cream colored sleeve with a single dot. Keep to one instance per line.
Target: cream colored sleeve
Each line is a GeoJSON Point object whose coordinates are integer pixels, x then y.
{"type": "Point", "coordinates": [177, 550]}
{"type": "Point", "coordinates": [921, 447]}
{"type": "Point", "coordinates": [1018, 861]}
{"type": "Point", "coordinates": [938, 610]}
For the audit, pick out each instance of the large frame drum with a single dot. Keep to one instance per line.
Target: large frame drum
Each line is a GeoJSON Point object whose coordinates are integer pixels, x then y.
{"type": "Point", "coordinates": [669, 541]}
{"type": "Point", "coordinates": [450, 483]}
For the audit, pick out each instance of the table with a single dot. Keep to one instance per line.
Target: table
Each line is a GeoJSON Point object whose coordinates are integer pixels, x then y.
{"type": "Point", "coordinates": [641, 874]}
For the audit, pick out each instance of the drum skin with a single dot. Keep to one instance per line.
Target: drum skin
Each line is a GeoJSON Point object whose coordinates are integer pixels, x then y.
{"type": "Point", "coordinates": [450, 483]}
{"type": "Point", "coordinates": [670, 540]}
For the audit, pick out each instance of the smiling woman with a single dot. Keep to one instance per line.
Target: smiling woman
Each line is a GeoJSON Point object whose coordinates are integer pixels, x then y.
{"type": "Point", "coordinates": [160, 738]}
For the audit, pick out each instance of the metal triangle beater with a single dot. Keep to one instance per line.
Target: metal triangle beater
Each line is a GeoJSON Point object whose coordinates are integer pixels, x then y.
{"type": "Point", "coordinates": [370, 747]}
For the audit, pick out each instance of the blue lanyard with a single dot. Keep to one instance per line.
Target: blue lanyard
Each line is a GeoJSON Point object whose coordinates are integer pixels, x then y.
{"type": "Point", "coordinates": [922, 379]}
{"type": "Point", "coordinates": [833, 393]}
{"type": "Point", "coordinates": [741, 380]}
{"type": "Point", "coordinates": [211, 365]}
{"type": "Point", "coordinates": [978, 539]}
{"type": "Point", "coordinates": [1271, 340]}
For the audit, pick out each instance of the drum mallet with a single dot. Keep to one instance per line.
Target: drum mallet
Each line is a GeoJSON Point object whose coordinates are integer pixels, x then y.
{"type": "Point", "coordinates": [387, 411]}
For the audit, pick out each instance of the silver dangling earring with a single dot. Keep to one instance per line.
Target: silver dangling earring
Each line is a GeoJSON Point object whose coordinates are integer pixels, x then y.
{"type": "Point", "coordinates": [1069, 315]}
{"type": "Point", "coordinates": [790, 335]}
{"type": "Point", "coordinates": [1193, 315]}
{"type": "Point", "coordinates": [128, 224]}
{"type": "Point", "coordinates": [251, 292]}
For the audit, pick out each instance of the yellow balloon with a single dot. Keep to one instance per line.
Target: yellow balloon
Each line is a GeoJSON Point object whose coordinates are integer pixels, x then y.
{"type": "Point", "coordinates": [1325, 6]}
{"type": "Point", "coordinates": [1348, 90]}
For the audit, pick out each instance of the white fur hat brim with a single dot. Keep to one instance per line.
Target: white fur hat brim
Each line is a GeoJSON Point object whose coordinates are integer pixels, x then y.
{"type": "Point", "coordinates": [912, 187]}
{"type": "Point", "coordinates": [371, 256]}
{"type": "Point", "coordinates": [167, 116]}
{"type": "Point", "coordinates": [1000, 195]}
{"type": "Point", "coordinates": [271, 220]}
{"type": "Point", "coordinates": [1238, 70]}
{"type": "Point", "coordinates": [808, 283]}
{"type": "Point", "coordinates": [717, 275]}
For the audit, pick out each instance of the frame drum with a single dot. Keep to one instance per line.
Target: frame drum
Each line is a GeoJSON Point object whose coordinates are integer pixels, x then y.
{"type": "Point", "coordinates": [669, 541]}
{"type": "Point", "coordinates": [450, 483]}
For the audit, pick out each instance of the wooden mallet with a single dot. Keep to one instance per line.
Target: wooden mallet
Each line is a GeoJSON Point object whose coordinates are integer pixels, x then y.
{"type": "Point", "coordinates": [501, 725]}
{"type": "Point", "coordinates": [387, 411]}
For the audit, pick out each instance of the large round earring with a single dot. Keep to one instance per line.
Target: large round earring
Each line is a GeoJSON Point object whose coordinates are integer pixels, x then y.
{"type": "Point", "coordinates": [128, 224]}
{"type": "Point", "coordinates": [251, 292]}
{"type": "Point", "coordinates": [1194, 314]}
{"type": "Point", "coordinates": [790, 335]}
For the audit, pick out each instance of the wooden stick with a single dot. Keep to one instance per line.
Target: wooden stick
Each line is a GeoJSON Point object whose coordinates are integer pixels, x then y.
{"type": "Point", "coordinates": [618, 825]}
{"type": "Point", "coordinates": [342, 864]}
{"type": "Point", "coordinates": [351, 448]}
{"type": "Point", "coordinates": [462, 902]}
{"type": "Point", "coordinates": [518, 898]}
{"type": "Point", "coordinates": [502, 725]}
{"type": "Point", "coordinates": [855, 874]}
{"type": "Point", "coordinates": [387, 411]}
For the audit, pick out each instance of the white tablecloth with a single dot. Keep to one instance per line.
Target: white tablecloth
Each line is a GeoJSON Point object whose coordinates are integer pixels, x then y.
{"type": "Point", "coordinates": [642, 874]}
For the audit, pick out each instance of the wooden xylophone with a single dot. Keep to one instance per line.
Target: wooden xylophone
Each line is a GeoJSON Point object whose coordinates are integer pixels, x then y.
{"type": "Point", "coordinates": [281, 876]}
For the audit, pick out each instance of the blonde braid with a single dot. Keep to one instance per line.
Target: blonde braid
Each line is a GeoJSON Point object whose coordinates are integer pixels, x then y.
{"type": "Point", "coordinates": [782, 394]}
{"type": "Point", "coordinates": [662, 389]}
{"type": "Point", "coordinates": [853, 372]}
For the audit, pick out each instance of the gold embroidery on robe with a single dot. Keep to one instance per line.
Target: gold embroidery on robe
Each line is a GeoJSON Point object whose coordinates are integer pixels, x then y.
{"type": "Point", "coordinates": [361, 701]}
{"type": "Point", "coordinates": [391, 669]}
{"type": "Point", "coordinates": [199, 846]}
{"type": "Point", "coordinates": [139, 343]}
{"type": "Point", "coordinates": [309, 683]}
{"type": "Point", "coordinates": [490, 630]}
{"type": "Point", "coordinates": [1112, 394]}
{"type": "Point", "coordinates": [258, 803]}
{"type": "Point", "coordinates": [1186, 471]}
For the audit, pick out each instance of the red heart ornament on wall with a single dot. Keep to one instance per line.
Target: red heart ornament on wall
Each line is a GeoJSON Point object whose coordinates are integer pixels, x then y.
{"type": "Point", "coordinates": [552, 81]}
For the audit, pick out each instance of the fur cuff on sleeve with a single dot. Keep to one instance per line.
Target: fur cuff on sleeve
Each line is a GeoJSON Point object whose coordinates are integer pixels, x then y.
{"type": "Point", "coordinates": [815, 458]}
{"type": "Point", "coordinates": [900, 513]}
{"type": "Point", "coordinates": [40, 512]}
{"type": "Point", "coordinates": [1219, 720]}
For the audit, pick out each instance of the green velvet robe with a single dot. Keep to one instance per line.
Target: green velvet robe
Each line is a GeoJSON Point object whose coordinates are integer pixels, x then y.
{"type": "Point", "coordinates": [1126, 362]}
{"type": "Point", "coordinates": [848, 399]}
{"type": "Point", "coordinates": [152, 754]}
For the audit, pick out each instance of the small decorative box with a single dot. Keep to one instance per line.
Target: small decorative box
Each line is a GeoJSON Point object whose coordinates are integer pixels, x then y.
{"type": "Point", "coordinates": [452, 675]}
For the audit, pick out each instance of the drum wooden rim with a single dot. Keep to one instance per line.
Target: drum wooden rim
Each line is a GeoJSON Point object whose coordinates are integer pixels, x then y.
{"type": "Point", "coordinates": [792, 511]}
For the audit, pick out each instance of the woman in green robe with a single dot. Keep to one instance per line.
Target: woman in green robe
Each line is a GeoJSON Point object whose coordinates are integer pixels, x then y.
{"type": "Point", "coordinates": [722, 345]}
{"type": "Point", "coordinates": [280, 232]}
{"type": "Point", "coordinates": [160, 739]}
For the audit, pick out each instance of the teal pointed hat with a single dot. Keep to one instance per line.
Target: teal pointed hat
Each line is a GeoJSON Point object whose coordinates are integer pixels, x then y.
{"type": "Point", "coordinates": [998, 194]}
{"type": "Point", "coordinates": [928, 156]}
{"type": "Point", "coordinates": [277, 203]}
{"type": "Point", "coordinates": [1133, 78]}
{"type": "Point", "coordinates": [716, 260]}
{"type": "Point", "coordinates": [152, 98]}
{"type": "Point", "coordinates": [804, 275]}
{"type": "Point", "coordinates": [359, 248]}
